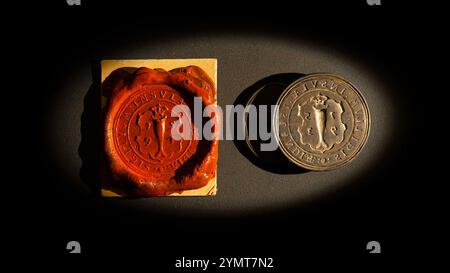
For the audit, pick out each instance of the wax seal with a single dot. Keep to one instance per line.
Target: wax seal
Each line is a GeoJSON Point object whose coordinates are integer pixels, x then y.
{"type": "Point", "coordinates": [322, 122]}
{"type": "Point", "coordinates": [144, 157]}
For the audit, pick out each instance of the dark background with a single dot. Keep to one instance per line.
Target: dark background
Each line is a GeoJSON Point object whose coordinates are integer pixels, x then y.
{"type": "Point", "coordinates": [53, 37]}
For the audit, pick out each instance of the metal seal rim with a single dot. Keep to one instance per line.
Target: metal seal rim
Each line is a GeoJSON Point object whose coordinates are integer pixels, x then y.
{"type": "Point", "coordinates": [276, 124]}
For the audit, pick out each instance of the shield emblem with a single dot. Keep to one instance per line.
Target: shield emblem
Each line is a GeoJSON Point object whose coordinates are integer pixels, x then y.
{"type": "Point", "coordinates": [153, 139]}
{"type": "Point", "coordinates": [321, 125]}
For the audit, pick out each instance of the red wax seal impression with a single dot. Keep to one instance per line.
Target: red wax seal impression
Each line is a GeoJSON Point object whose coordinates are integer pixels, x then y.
{"type": "Point", "coordinates": [143, 157]}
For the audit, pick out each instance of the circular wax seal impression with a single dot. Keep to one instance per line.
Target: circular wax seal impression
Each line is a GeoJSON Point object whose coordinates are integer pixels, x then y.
{"type": "Point", "coordinates": [322, 122]}
{"type": "Point", "coordinates": [142, 136]}
{"type": "Point", "coordinates": [145, 158]}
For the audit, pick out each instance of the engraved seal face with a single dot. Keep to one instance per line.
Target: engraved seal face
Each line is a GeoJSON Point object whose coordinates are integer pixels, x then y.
{"type": "Point", "coordinates": [142, 132]}
{"type": "Point", "coordinates": [322, 122]}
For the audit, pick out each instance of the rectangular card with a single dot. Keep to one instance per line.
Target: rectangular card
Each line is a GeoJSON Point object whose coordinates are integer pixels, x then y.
{"type": "Point", "coordinates": [209, 65]}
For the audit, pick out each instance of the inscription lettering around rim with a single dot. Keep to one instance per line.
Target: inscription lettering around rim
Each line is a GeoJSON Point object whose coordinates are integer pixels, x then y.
{"type": "Point", "coordinates": [314, 84]}
{"type": "Point", "coordinates": [135, 109]}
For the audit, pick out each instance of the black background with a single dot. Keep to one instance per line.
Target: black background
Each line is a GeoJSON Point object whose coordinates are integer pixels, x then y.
{"type": "Point", "coordinates": [389, 208]}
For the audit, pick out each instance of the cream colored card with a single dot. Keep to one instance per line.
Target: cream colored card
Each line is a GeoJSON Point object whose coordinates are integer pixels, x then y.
{"type": "Point", "coordinates": [208, 65]}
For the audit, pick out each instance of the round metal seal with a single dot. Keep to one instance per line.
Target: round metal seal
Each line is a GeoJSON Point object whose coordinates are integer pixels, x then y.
{"type": "Point", "coordinates": [322, 122]}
